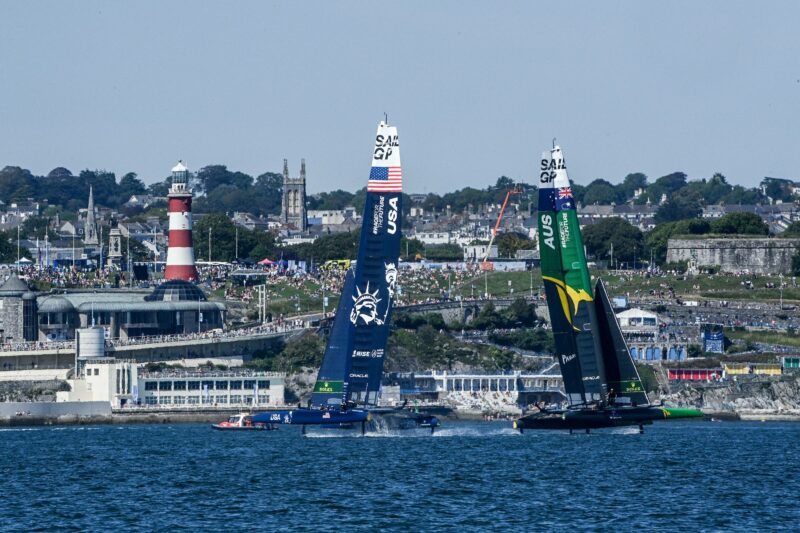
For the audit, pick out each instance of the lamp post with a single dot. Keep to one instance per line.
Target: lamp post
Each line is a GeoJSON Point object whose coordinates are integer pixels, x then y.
{"type": "Point", "coordinates": [209, 244]}
{"type": "Point", "coordinates": [531, 282]}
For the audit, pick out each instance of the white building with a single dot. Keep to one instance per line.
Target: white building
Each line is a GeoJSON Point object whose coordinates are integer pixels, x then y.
{"type": "Point", "coordinates": [434, 237]}
{"type": "Point", "coordinates": [476, 252]}
{"type": "Point", "coordinates": [125, 384]}
{"type": "Point", "coordinates": [103, 379]}
{"type": "Point", "coordinates": [637, 319]}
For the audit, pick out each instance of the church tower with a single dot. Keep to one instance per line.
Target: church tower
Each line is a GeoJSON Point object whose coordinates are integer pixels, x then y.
{"type": "Point", "coordinates": [90, 229]}
{"type": "Point", "coordinates": [293, 205]}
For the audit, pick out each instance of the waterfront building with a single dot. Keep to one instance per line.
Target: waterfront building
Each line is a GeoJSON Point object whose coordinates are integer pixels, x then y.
{"type": "Point", "coordinates": [128, 384]}
{"type": "Point", "coordinates": [174, 307]}
{"type": "Point", "coordinates": [480, 391]}
{"type": "Point", "coordinates": [180, 254]}
{"type": "Point", "coordinates": [234, 388]}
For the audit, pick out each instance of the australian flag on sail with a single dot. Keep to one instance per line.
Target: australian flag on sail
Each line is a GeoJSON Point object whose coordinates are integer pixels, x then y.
{"type": "Point", "coordinates": [564, 199]}
{"type": "Point", "coordinates": [385, 179]}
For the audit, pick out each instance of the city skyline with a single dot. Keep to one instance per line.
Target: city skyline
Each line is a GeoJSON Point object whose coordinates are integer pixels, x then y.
{"type": "Point", "coordinates": [475, 91]}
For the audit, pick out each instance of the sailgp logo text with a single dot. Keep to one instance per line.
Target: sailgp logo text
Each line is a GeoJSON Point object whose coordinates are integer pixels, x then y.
{"type": "Point", "coordinates": [383, 146]}
{"type": "Point", "coordinates": [548, 169]}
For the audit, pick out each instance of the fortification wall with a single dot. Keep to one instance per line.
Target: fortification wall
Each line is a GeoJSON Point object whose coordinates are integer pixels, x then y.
{"type": "Point", "coordinates": [757, 255]}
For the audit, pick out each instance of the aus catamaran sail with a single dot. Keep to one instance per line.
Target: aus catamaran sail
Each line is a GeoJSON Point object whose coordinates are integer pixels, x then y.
{"type": "Point", "coordinates": [349, 379]}
{"type": "Point", "coordinates": [600, 380]}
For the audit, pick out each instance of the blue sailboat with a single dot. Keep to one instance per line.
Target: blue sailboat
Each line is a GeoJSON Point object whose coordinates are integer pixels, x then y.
{"type": "Point", "coordinates": [348, 384]}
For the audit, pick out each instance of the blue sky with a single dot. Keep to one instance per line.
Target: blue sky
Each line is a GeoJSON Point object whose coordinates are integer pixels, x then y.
{"type": "Point", "coordinates": [477, 89]}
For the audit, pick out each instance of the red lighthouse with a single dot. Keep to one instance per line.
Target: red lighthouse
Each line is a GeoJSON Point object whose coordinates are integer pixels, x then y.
{"type": "Point", "coordinates": [180, 254]}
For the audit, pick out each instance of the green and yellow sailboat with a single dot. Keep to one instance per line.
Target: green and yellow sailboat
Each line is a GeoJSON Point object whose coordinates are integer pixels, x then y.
{"type": "Point", "coordinates": [601, 382]}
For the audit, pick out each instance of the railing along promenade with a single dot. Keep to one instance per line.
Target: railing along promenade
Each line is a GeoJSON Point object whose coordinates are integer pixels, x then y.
{"type": "Point", "coordinates": [42, 347]}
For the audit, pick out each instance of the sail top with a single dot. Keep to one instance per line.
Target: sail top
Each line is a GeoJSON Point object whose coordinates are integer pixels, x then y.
{"type": "Point", "coordinates": [386, 174]}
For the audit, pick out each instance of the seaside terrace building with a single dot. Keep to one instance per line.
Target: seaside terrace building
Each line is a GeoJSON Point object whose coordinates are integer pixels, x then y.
{"type": "Point", "coordinates": [174, 307]}
{"type": "Point", "coordinates": [128, 384]}
{"type": "Point", "coordinates": [477, 390]}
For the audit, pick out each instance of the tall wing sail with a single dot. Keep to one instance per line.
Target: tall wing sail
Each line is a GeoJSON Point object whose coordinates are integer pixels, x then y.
{"type": "Point", "coordinates": [576, 295]}
{"type": "Point", "coordinates": [330, 386]}
{"type": "Point", "coordinates": [621, 373]}
{"type": "Point", "coordinates": [376, 269]}
{"type": "Point", "coordinates": [554, 286]}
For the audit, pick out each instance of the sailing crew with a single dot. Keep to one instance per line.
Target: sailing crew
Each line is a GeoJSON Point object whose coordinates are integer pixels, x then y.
{"type": "Point", "coordinates": [612, 397]}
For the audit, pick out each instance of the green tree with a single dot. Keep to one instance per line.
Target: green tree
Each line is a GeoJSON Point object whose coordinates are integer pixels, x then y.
{"type": "Point", "coordinates": [793, 230]}
{"type": "Point", "coordinates": [8, 248]}
{"type": "Point", "coordinates": [680, 207]}
{"type": "Point", "coordinates": [325, 248]}
{"type": "Point", "coordinates": [627, 239]}
{"type": "Point", "coordinates": [630, 184]}
{"type": "Point", "coordinates": [444, 252]}
{"type": "Point", "coordinates": [104, 185]}
{"type": "Point", "coordinates": [160, 188]}
{"type": "Point", "coordinates": [223, 238]}
{"type": "Point", "coordinates": [600, 192]}
{"type": "Point", "coordinates": [740, 224]}
{"type": "Point", "coordinates": [796, 264]}
{"type": "Point", "coordinates": [658, 237]}
{"type": "Point", "coordinates": [303, 351]}
{"type": "Point", "coordinates": [212, 176]}
{"type": "Point", "coordinates": [409, 248]}
{"type": "Point", "coordinates": [778, 189]}
{"type": "Point", "coordinates": [337, 199]}
{"type": "Point", "coordinates": [130, 185]}
{"type": "Point", "coordinates": [16, 184]}
{"type": "Point", "coordinates": [521, 313]}
{"type": "Point", "coordinates": [509, 243]}
{"type": "Point", "coordinates": [739, 195]}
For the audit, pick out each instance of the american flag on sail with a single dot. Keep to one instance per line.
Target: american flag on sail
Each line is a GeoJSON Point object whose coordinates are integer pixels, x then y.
{"type": "Point", "coordinates": [565, 192]}
{"type": "Point", "coordinates": [385, 179]}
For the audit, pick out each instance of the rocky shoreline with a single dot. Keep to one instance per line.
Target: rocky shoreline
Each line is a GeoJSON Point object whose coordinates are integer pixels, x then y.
{"type": "Point", "coordinates": [745, 398]}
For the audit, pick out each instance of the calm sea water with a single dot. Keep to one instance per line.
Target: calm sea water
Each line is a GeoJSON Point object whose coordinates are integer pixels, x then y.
{"type": "Point", "coordinates": [469, 476]}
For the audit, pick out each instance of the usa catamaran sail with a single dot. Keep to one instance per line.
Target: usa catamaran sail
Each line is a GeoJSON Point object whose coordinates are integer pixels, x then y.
{"type": "Point", "coordinates": [349, 380]}
{"type": "Point", "coordinates": [601, 382]}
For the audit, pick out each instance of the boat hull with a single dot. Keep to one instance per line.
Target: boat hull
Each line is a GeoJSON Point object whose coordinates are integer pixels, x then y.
{"type": "Point", "coordinates": [601, 418]}
{"type": "Point", "coordinates": [259, 427]}
{"type": "Point", "coordinates": [382, 421]}
{"type": "Point", "coordinates": [313, 417]}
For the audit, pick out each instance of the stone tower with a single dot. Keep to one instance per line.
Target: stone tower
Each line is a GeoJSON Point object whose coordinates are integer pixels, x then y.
{"type": "Point", "coordinates": [90, 229]}
{"type": "Point", "coordinates": [114, 245]}
{"type": "Point", "coordinates": [293, 206]}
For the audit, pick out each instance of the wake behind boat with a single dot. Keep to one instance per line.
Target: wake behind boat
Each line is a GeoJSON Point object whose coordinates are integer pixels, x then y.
{"type": "Point", "coordinates": [602, 384]}
{"type": "Point", "coordinates": [345, 395]}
